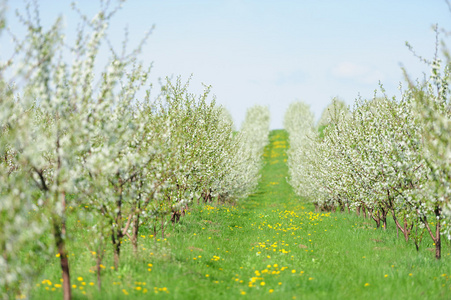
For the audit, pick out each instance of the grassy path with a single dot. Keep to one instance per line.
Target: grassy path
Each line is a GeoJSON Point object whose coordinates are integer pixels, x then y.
{"type": "Point", "coordinates": [271, 246]}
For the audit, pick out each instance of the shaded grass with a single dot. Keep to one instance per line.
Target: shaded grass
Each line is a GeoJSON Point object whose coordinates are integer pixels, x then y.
{"type": "Point", "coordinates": [270, 246]}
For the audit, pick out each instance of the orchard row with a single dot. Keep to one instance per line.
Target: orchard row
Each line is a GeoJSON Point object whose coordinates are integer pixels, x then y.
{"type": "Point", "coordinates": [74, 137]}
{"type": "Point", "coordinates": [386, 157]}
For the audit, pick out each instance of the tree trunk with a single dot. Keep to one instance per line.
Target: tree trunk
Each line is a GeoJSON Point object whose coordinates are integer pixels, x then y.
{"type": "Point", "coordinates": [384, 217]}
{"type": "Point", "coordinates": [404, 229]}
{"type": "Point", "coordinates": [117, 233]}
{"type": "Point", "coordinates": [59, 233]}
{"type": "Point", "coordinates": [135, 233]}
{"type": "Point", "coordinates": [435, 237]}
{"type": "Point", "coordinates": [438, 241]}
{"type": "Point", "coordinates": [162, 227]}
{"type": "Point", "coordinates": [99, 269]}
{"type": "Point", "coordinates": [64, 260]}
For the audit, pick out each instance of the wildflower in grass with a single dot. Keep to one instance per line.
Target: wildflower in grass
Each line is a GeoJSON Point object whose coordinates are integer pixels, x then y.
{"type": "Point", "coordinates": [125, 291]}
{"type": "Point", "coordinates": [367, 284]}
{"type": "Point", "coordinates": [293, 271]}
{"type": "Point", "coordinates": [386, 275]}
{"type": "Point", "coordinates": [262, 283]}
{"type": "Point", "coordinates": [91, 283]}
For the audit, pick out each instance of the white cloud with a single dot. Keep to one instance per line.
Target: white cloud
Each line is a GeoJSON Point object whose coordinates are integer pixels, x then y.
{"type": "Point", "coordinates": [360, 73]}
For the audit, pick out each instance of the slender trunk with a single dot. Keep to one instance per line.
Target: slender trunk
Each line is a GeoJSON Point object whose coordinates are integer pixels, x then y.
{"type": "Point", "coordinates": [135, 233]}
{"type": "Point", "coordinates": [64, 260]}
{"type": "Point", "coordinates": [59, 233]}
{"type": "Point", "coordinates": [117, 233]}
{"type": "Point", "coordinates": [435, 236]}
{"type": "Point", "coordinates": [376, 218]}
{"type": "Point", "coordinates": [162, 228]}
{"type": "Point", "coordinates": [137, 212]}
{"type": "Point", "coordinates": [59, 227]}
{"type": "Point", "coordinates": [438, 241]}
{"type": "Point", "coordinates": [99, 269]}
{"type": "Point", "coordinates": [384, 217]}
{"type": "Point", "coordinates": [116, 248]}
{"type": "Point", "coordinates": [404, 229]}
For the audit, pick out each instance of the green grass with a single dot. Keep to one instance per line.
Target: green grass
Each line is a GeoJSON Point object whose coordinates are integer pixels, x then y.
{"type": "Point", "coordinates": [272, 240]}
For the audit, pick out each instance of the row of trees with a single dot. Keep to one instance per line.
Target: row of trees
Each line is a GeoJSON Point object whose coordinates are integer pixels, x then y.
{"type": "Point", "coordinates": [385, 156]}
{"type": "Point", "coordinates": [72, 135]}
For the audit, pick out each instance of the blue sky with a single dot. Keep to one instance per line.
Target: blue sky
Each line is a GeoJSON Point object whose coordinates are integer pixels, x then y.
{"type": "Point", "coordinates": [273, 52]}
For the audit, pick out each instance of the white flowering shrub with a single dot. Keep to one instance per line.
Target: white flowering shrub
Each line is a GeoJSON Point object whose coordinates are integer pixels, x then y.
{"type": "Point", "coordinates": [246, 157]}
{"type": "Point", "coordinates": [331, 111]}
{"type": "Point", "coordinates": [299, 122]}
